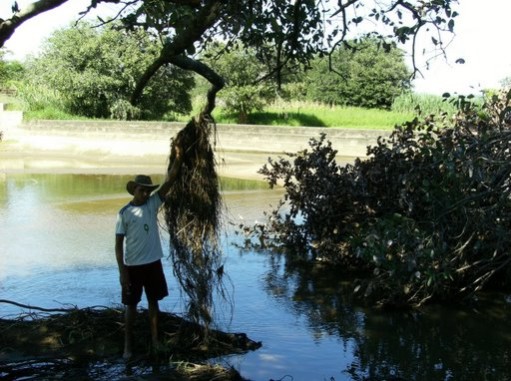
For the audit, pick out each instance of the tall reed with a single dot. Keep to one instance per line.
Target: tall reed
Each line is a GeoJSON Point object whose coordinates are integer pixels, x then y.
{"type": "Point", "coordinates": [426, 104]}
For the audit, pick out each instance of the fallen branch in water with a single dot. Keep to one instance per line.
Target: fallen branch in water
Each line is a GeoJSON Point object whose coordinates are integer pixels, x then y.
{"type": "Point", "coordinates": [29, 307]}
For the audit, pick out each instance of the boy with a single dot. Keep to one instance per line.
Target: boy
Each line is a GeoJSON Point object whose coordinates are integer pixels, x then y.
{"type": "Point", "coordinates": [138, 251]}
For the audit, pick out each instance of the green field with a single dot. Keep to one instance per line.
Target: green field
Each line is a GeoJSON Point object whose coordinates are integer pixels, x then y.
{"type": "Point", "coordinates": [318, 115]}
{"type": "Point", "coordinates": [294, 113]}
{"type": "Point", "coordinates": [309, 114]}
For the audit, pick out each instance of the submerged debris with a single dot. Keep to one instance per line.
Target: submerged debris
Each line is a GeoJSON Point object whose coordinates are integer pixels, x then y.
{"type": "Point", "coordinates": [89, 341]}
{"type": "Point", "coordinates": [192, 215]}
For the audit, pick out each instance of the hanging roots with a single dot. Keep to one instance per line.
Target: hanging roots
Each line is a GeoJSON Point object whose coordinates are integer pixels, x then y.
{"type": "Point", "coordinates": [192, 215]}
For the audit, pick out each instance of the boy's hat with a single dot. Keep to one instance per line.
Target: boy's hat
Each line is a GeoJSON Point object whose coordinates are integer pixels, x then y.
{"type": "Point", "coordinates": [142, 181]}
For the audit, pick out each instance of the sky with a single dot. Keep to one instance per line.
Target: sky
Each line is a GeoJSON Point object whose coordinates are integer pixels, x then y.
{"type": "Point", "coordinates": [482, 39]}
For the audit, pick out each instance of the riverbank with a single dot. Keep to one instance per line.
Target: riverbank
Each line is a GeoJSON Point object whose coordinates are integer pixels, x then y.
{"type": "Point", "coordinates": [68, 343]}
{"type": "Point", "coordinates": [16, 157]}
{"type": "Point", "coordinates": [110, 147]}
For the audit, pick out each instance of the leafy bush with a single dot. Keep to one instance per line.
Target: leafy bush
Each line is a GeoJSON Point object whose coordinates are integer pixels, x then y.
{"type": "Point", "coordinates": [9, 70]}
{"type": "Point", "coordinates": [362, 73]}
{"type": "Point", "coordinates": [427, 215]}
{"type": "Point", "coordinates": [123, 110]}
{"type": "Point", "coordinates": [35, 97]}
{"type": "Point", "coordinates": [245, 91]}
{"type": "Point", "coordinates": [94, 72]}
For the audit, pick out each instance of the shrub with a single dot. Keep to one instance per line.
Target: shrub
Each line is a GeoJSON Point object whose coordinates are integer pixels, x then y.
{"type": "Point", "coordinates": [427, 215]}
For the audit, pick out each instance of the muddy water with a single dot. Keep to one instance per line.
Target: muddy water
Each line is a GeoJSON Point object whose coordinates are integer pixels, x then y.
{"type": "Point", "coordinates": [56, 247]}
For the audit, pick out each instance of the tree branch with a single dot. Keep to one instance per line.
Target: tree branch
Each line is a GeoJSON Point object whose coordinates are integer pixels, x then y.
{"type": "Point", "coordinates": [217, 82]}
{"type": "Point", "coordinates": [7, 27]}
{"type": "Point", "coordinates": [28, 307]}
{"type": "Point", "coordinates": [174, 53]}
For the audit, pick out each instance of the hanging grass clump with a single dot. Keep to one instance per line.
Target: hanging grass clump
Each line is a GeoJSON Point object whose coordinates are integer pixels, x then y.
{"type": "Point", "coordinates": [192, 215]}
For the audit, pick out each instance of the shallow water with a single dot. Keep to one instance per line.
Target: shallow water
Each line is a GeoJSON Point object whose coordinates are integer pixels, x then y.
{"type": "Point", "coordinates": [56, 245]}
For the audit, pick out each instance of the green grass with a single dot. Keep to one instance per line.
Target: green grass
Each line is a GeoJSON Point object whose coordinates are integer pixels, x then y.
{"type": "Point", "coordinates": [51, 114]}
{"type": "Point", "coordinates": [427, 104]}
{"type": "Point", "coordinates": [309, 114]}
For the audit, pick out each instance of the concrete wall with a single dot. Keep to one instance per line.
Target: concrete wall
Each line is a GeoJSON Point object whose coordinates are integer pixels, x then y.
{"type": "Point", "coordinates": [143, 147]}
{"type": "Point", "coordinates": [154, 136]}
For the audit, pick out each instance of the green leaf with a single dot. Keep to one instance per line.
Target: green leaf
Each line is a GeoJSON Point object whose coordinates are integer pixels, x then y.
{"type": "Point", "coordinates": [451, 25]}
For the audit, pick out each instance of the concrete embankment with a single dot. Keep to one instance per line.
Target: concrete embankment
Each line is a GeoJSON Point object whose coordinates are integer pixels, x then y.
{"type": "Point", "coordinates": [127, 147]}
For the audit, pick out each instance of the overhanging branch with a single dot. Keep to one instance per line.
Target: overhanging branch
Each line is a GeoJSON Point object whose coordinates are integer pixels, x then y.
{"type": "Point", "coordinates": [217, 82]}
{"type": "Point", "coordinates": [7, 27]}
{"type": "Point", "coordinates": [173, 53]}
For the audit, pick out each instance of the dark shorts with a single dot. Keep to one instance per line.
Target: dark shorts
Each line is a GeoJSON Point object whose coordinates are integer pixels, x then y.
{"type": "Point", "coordinates": [150, 278]}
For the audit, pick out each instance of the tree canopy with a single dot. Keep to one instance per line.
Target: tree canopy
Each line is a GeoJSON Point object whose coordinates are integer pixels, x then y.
{"type": "Point", "coordinates": [366, 75]}
{"type": "Point", "coordinates": [245, 91]}
{"type": "Point", "coordinates": [94, 70]}
{"type": "Point", "coordinates": [282, 32]}
{"type": "Point", "coordinates": [9, 70]}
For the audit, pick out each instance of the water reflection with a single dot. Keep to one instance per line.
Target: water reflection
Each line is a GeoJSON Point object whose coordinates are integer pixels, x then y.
{"type": "Point", "coordinates": [436, 343]}
{"type": "Point", "coordinates": [47, 224]}
{"type": "Point", "coordinates": [68, 218]}
{"type": "Point", "coordinates": [57, 248]}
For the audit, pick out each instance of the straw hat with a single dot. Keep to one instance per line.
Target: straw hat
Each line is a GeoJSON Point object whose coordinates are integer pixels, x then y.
{"type": "Point", "coordinates": [140, 180]}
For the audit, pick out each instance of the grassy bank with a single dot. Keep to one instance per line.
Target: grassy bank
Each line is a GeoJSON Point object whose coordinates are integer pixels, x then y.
{"type": "Point", "coordinates": [310, 114]}
{"type": "Point", "coordinates": [302, 113]}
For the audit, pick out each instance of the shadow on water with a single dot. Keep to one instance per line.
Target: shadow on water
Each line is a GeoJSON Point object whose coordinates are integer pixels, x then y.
{"type": "Point", "coordinates": [435, 343]}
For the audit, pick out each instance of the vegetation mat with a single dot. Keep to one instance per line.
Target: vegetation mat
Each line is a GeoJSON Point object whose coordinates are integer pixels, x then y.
{"type": "Point", "coordinates": [192, 211]}
{"type": "Point", "coordinates": [87, 344]}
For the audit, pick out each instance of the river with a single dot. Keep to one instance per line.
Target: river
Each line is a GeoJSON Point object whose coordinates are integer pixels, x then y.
{"type": "Point", "coordinates": [56, 245]}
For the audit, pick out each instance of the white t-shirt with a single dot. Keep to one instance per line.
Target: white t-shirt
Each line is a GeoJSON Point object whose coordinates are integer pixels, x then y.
{"type": "Point", "coordinates": [139, 225]}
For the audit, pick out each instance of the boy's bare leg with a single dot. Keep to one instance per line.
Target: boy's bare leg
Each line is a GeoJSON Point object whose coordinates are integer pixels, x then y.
{"type": "Point", "coordinates": [129, 319]}
{"type": "Point", "coordinates": [153, 321]}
